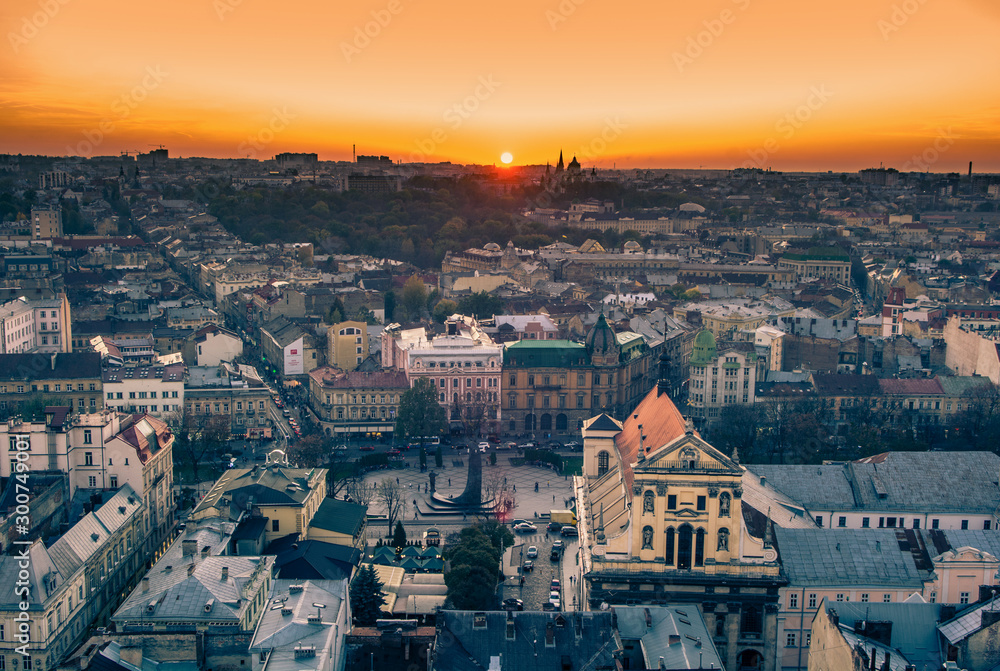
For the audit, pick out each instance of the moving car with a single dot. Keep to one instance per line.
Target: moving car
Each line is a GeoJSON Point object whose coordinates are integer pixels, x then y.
{"type": "Point", "coordinates": [554, 604]}
{"type": "Point", "coordinates": [513, 604]}
{"type": "Point", "coordinates": [525, 528]}
{"type": "Point", "coordinates": [574, 446]}
{"type": "Point", "coordinates": [569, 532]}
{"type": "Point", "coordinates": [558, 545]}
{"type": "Point", "coordinates": [554, 526]}
{"type": "Point", "coordinates": [532, 552]}
{"type": "Point", "coordinates": [528, 565]}
{"type": "Point", "coordinates": [365, 448]}
{"type": "Point", "coordinates": [483, 446]}
{"type": "Point", "coordinates": [555, 555]}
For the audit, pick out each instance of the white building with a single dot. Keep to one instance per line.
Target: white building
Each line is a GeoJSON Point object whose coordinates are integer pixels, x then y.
{"type": "Point", "coordinates": [214, 344]}
{"type": "Point", "coordinates": [719, 379]}
{"type": "Point", "coordinates": [153, 390]}
{"type": "Point", "coordinates": [35, 326]}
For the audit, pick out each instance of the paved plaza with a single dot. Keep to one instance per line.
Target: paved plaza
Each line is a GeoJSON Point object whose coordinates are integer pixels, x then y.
{"type": "Point", "coordinates": [554, 490]}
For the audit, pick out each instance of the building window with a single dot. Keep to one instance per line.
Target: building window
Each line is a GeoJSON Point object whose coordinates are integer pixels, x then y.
{"type": "Point", "coordinates": [840, 597]}
{"type": "Point", "coordinates": [963, 598]}
{"type": "Point", "coordinates": [819, 520]}
{"type": "Point", "coordinates": [865, 522]}
{"type": "Point", "coordinates": [92, 481]}
{"type": "Point", "coordinates": [671, 502]}
{"type": "Point", "coordinates": [88, 458]}
{"type": "Point", "coordinates": [793, 600]}
{"type": "Point", "coordinates": [812, 600]}
{"type": "Point", "coordinates": [935, 524]}
{"type": "Point", "coordinates": [274, 525]}
{"type": "Point", "coordinates": [702, 503]}
{"type": "Point", "coordinates": [114, 482]}
{"type": "Point", "coordinates": [602, 462]}
{"type": "Point", "coordinates": [864, 598]}
{"type": "Point", "coordinates": [842, 521]}
{"type": "Point", "coordinates": [790, 639]}
{"type": "Point", "coordinates": [965, 524]}
{"type": "Point", "coordinates": [886, 598]}
{"type": "Point", "coordinates": [87, 439]}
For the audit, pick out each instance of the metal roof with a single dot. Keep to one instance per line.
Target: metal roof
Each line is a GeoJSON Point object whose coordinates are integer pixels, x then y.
{"type": "Point", "coordinates": [852, 558]}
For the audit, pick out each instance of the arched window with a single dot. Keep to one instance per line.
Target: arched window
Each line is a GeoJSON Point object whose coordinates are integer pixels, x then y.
{"type": "Point", "coordinates": [602, 462]}
{"type": "Point", "coordinates": [670, 547]}
{"type": "Point", "coordinates": [699, 548]}
{"type": "Point", "coordinates": [724, 501]}
{"type": "Point", "coordinates": [684, 535]}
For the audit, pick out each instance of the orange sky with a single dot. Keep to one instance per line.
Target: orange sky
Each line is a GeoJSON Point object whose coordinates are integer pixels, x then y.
{"type": "Point", "coordinates": [785, 84]}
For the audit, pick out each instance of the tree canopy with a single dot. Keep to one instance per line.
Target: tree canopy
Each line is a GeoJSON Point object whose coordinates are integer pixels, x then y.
{"type": "Point", "coordinates": [367, 597]}
{"type": "Point", "coordinates": [420, 414]}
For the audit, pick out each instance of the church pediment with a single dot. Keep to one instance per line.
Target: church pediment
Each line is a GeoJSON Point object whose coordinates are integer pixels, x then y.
{"type": "Point", "coordinates": [686, 512]}
{"type": "Point", "coordinates": [687, 453]}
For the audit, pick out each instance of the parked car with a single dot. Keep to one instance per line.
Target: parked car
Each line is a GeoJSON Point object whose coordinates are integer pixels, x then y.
{"type": "Point", "coordinates": [532, 552]}
{"type": "Point", "coordinates": [574, 446]}
{"type": "Point", "coordinates": [518, 521]}
{"type": "Point", "coordinates": [549, 606]}
{"type": "Point", "coordinates": [525, 528]}
{"type": "Point", "coordinates": [555, 555]}
{"type": "Point", "coordinates": [555, 586]}
{"type": "Point", "coordinates": [365, 448]}
{"type": "Point", "coordinates": [513, 604]}
{"type": "Point", "coordinates": [558, 545]}
{"type": "Point", "coordinates": [343, 447]}
{"type": "Point", "coordinates": [483, 446]}
{"type": "Point", "coordinates": [527, 446]}
{"type": "Point", "coordinates": [554, 526]}
{"type": "Point", "coordinates": [555, 604]}
{"type": "Point", "coordinates": [569, 532]}
{"type": "Point", "coordinates": [528, 565]}
{"type": "Point", "coordinates": [554, 595]}
{"type": "Point", "coordinates": [510, 445]}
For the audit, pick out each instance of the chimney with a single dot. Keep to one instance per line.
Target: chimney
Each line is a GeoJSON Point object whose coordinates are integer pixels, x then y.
{"type": "Point", "coordinates": [663, 664]}
{"type": "Point", "coordinates": [132, 654]}
{"type": "Point", "coordinates": [989, 617]}
{"type": "Point", "coordinates": [145, 585]}
{"type": "Point", "coordinates": [550, 635]}
{"type": "Point", "coordinates": [885, 664]}
{"type": "Point", "coordinates": [649, 618]}
{"type": "Point", "coordinates": [872, 661]}
{"type": "Point", "coordinates": [225, 573]}
{"type": "Point", "coordinates": [53, 360]}
{"type": "Point", "coordinates": [675, 639]}
{"type": "Point", "coordinates": [189, 547]}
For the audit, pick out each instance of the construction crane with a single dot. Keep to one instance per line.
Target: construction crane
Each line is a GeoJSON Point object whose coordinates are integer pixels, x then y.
{"type": "Point", "coordinates": [159, 146]}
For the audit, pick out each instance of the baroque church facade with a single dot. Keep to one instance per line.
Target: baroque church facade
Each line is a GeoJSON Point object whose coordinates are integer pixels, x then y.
{"type": "Point", "coordinates": [665, 518]}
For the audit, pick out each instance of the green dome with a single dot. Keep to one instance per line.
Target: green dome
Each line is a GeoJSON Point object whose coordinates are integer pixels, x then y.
{"type": "Point", "coordinates": [704, 350]}
{"type": "Point", "coordinates": [601, 340]}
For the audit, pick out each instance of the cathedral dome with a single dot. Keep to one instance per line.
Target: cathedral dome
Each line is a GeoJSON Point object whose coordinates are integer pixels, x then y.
{"type": "Point", "coordinates": [601, 340]}
{"type": "Point", "coordinates": [704, 350]}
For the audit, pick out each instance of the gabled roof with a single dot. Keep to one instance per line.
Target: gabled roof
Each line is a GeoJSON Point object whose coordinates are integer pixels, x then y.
{"type": "Point", "coordinates": [967, 622]}
{"type": "Point", "coordinates": [662, 424]}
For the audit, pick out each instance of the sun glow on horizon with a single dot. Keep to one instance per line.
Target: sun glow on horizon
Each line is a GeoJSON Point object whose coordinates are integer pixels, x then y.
{"type": "Point", "coordinates": [506, 158]}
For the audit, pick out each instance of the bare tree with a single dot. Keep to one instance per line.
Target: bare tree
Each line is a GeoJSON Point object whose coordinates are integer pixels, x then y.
{"type": "Point", "coordinates": [391, 495]}
{"type": "Point", "coordinates": [359, 491]}
{"type": "Point", "coordinates": [201, 436]}
{"type": "Point", "coordinates": [479, 413]}
{"type": "Point", "coordinates": [493, 483]}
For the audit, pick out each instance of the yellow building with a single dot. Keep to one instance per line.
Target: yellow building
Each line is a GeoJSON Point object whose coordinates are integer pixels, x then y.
{"type": "Point", "coordinates": [347, 345]}
{"type": "Point", "coordinates": [287, 497]}
{"type": "Point", "coordinates": [663, 519]}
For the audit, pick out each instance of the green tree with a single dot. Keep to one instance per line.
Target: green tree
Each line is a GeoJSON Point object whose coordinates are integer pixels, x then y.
{"type": "Point", "coordinates": [420, 414]}
{"type": "Point", "coordinates": [399, 536]}
{"type": "Point", "coordinates": [475, 565]}
{"type": "Point", "coordinates": [367, 597]}
{"type": "Point", "coordinates": [480, 305]}
{"type": "Point", "coordinates": [414, 297]}
{"type": "Point", "coordinates": [444, 309]}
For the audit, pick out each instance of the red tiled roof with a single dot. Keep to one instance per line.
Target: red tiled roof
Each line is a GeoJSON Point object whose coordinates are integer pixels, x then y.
{"type": "Point", "coordinates": [662, 423]}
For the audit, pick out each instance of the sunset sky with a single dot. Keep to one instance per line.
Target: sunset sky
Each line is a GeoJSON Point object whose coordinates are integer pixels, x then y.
{"type": "Point", "coordinates": [785, 84]}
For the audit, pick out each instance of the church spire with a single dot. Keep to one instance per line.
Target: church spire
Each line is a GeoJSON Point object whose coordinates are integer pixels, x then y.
{"type": "Point", "coordinates": [559, 166]}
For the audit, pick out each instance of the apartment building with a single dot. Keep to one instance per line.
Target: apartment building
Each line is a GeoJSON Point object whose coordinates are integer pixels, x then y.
{"type": "Point", "coordinates": [154, 390]}
{"type": "Point", "coordinates": [818, 263]}
{"type": "Point", "coordinates": [41, 325]}
{"type": "Point", "coordinates": [235, 391]}
{"type": "Point", "coordinates": [356, 403]}
{"type": "Point", "coordinates": [46, 223]}
{"type": "Point", "coordinates": [70, 379]}
{"type": "Point", "coordinates": [720, 379]}
{"type": "Point", "coordinates": [347, 344]}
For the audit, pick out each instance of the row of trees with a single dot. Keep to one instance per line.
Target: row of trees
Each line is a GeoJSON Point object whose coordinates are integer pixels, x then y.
{"type": "Point", "coordinates": [809, 430]}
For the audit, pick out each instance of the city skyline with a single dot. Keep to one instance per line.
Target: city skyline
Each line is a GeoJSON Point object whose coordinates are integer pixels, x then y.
{"type": "Point", "coordinates": [722, 85]}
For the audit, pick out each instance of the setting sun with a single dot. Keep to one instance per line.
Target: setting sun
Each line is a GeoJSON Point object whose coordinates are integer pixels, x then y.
{"type": "Point", "coordinates": [506, 158]}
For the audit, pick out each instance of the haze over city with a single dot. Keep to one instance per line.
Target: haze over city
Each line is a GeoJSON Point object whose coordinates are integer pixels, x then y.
{"type": "Point", "coordinates": [722, 84]}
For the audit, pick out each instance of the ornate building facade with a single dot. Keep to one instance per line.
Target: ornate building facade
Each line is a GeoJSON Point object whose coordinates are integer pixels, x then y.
{"type": "Point", "coordinates": [664, 518]}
